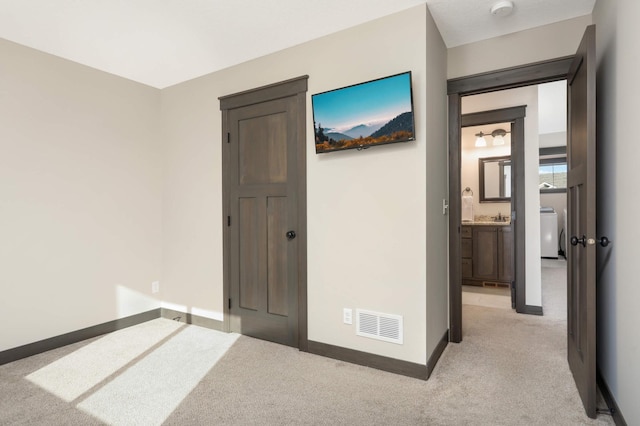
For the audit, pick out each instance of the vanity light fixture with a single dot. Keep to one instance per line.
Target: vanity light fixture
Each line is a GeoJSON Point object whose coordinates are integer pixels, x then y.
{"type": "Point", "coordinates": [480, 140]}
{"type": "Point", "coordinates": [497, 135]}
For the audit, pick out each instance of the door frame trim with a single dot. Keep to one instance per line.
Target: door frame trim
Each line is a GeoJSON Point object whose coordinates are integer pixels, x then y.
{"type": "Point", "coordinates": [508, 78]}
{"type": "Point", "coordinates": [515, 115]}
{"type": "Point", "coordinates": [293, 87]}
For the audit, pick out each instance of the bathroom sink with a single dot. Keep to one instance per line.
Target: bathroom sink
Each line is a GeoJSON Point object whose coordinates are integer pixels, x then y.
{"type": "Point", "coordinates": [501, 218]}
{"type": "Point", "coordinates": [489, 220]}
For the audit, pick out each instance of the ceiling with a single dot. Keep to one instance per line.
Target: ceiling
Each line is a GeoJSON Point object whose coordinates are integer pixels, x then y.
{"type": "Point", "coordinates": [466, 21]}
{"type": "Point", "coordinates": [165, 42]}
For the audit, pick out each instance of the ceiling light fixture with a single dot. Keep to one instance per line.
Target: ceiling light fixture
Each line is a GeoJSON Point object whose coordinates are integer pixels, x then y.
{"type": "Point", "coordinates": [502, 8]}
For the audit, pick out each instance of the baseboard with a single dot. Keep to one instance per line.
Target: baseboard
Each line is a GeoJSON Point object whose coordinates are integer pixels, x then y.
{"type": "Point", "coordinates": [437, 353]}
{"type": "Point", "coordinates": [35, 348]}
{"type": "Point", "coordinates": [192, 319]}
{"type": "Point", "coordinates": [532, 310]}
{"type": "Point", "coordinates": [610, 400]}
{"type": "Point", "coordinates": [378, 362]}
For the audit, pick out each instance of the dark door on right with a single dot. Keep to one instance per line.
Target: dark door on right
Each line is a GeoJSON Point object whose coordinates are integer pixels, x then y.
{"type": "Point", "coordinates": [581, 220]}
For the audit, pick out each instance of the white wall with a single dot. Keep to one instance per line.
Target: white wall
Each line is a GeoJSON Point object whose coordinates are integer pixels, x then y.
{"type": "Point", "coordinates": [368, 212]}
{"type": "Point", "coordinates": [537, 44]}
{"type": "Point", "coordinates": [617, 35]}
{"type": "Point", "coordinates": [80, 173]}
{"type": "Point", "coordinates": [548, 140]}
{"type": "Point", "coordinates": [95, 208]}
{"type": "Point", "coordinates": [437, 237]}
{"type": "Point", "coordinates": [509, 98]}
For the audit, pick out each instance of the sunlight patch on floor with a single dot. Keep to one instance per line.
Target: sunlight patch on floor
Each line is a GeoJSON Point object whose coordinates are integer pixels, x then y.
{"type": "Point", "coordinates": [71, 376]}
{"type": "Point", "coordinates": [137, 375]}
{"type": "Point", "coordinates": [149, 391]}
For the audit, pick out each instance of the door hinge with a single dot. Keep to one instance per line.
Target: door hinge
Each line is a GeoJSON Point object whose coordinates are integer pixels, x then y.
{"type": "Point", "coordinates": [228, 137]}
{"type": "Point", "coordinates": [229, 303]}
{"type": "Point", "coordinates": [228, 220]}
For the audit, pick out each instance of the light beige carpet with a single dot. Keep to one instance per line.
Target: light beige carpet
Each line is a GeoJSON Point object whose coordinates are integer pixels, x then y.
{"type": "Point", "coordinates": [510, 369]}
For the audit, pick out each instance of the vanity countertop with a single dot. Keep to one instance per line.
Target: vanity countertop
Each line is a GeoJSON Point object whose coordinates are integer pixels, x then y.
{"type": "Point", "coordinates": [489, 220]}
{"type": "Point", "coordinates": [486, 223]}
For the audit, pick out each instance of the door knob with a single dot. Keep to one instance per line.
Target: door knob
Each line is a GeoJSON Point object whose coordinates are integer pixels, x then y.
{"type": "Point", "coordinates": [604, 241]}
{"type": "Point", "coordinates": [291, 235]}
{"type": "Point", "coordinates": [575, 241]}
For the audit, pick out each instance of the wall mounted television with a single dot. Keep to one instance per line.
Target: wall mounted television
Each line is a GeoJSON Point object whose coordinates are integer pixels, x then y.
{"type": "Point", "coordinates": [375, 112]}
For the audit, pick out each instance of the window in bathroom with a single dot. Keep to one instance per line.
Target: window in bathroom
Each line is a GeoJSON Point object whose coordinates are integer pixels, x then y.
{"type": "Point", "coordinates": [552, 169]}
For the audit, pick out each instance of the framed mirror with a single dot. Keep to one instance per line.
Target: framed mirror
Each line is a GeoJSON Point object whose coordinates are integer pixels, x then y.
{"type": "Point", "coordinates": [495, 179]}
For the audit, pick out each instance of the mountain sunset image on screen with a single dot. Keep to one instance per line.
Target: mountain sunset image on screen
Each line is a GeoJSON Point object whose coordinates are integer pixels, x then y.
{"type": "Point", "coordinates": [372, 113]}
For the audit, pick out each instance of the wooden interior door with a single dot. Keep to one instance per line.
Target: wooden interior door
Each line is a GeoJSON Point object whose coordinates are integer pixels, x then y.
{"type": "Point", "coordinates": [581, 220]}
{"type": "Point", "coordinates": [262, 166]}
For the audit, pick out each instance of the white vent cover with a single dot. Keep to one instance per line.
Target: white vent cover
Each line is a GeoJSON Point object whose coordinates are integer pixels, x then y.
{"type": "Point", "coordinates": [379, 326]}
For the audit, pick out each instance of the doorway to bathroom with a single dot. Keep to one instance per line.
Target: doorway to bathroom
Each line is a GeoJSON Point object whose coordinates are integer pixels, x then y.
{"type": "Point", "coordinates": [486, 182]}
{"type": "Point", "coordinates": [496, 87]}
{"type": "Point", "coordinates": [492, 146]}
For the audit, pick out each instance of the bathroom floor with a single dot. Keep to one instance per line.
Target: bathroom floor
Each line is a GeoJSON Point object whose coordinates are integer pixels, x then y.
{"type": "Point", "coordinates": [554, 294]}
{"type": "Point", "coordinates": [489, 297]}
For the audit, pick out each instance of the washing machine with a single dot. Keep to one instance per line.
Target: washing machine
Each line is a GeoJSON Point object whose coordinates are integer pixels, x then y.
{"type": "Point", "coordinates": [548, 233]}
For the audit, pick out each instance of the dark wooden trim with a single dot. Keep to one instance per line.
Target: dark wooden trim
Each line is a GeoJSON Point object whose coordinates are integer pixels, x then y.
{"type": "Point", "coordinates": [493, 116]}
{"type": "Point", "coordinates": [437, 353]}
{"type": "Point", "coordinates": [226, 212]}
{"type": "Point", "coordinates": [532, 310]}
{"type": "Point", "coordinates": [618, 418]}
{"type": "Point", "coordinates": [188, 318]}
{"type": "Point", "coordinates": [270, 92]}
{"type": "Point", "coordinates": [455, 219]}
{"type": "Point", "coordinates": [303, 338]}
{"type": "Point", "coordinates": [510, 78]}
{"type": "Point", "coordinates": [518, 204]}
{"type": "Point", "coordinates": [294, 87]}
{"type": "Point", "coordinates": [554, 150]}
{"type": "Point", "coordinates": [35, 348]}
{"type": "Point", "coordinates": [516, 116]}
{"type": "Point", "coordinates": [391, 365]}
{"type": "Point", "coordinates": [553, 191]}
{"type": "Point", "coordinates": [553, 160]}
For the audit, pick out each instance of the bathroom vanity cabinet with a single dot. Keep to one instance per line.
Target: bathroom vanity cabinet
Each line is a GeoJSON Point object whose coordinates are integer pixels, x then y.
{"type": "Point", "coordinates": [487, 254]}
